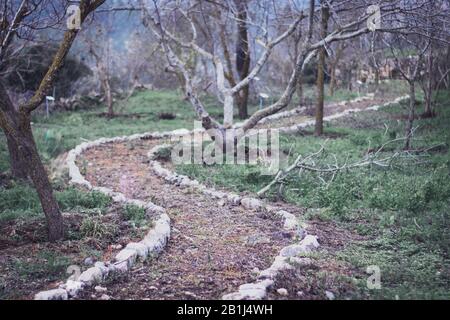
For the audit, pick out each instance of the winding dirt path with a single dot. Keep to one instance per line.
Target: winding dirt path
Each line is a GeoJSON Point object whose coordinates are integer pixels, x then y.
{"type": "Point", "coordinates": [214, 248]}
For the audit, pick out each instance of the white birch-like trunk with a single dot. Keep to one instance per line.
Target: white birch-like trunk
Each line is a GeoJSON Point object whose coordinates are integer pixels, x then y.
{"type": "Point", "coordinates": [228, 111]}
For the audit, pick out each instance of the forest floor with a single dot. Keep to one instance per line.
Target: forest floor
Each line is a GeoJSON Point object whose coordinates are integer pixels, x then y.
{"type": "Point", "coordinates": [365, 218]}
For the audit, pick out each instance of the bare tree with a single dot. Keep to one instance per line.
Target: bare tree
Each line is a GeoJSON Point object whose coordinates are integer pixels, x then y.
{"type": "Point", "coordinates": [409, 67]}
{"type": "Point", "coordinates": [99, 47]}
{"type": "Point", "coordinates": [324, 17]}
{"type": "Point", "coordinates": [349, 21]}
{"type": "Point", "coordinates": [15, 123]}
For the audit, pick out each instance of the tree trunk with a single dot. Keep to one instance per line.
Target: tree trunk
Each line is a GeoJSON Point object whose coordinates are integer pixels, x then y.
{"type": "Point", "coordinates": [411, 116]}
{"type": "Point", "coordinates": [332, 79]}
{"type": "Point", "coordinates": [17, 165]}
{"type": "Point", "coordinates": [17, 129]}
{"type": "Point", "coordinates": [39, 176]}
{"type": "Point", "coordinates": [300, 93]}
{"type": "Point", "coordinates": [321, 73]}
{"type": "Point", "coordinates": [377, 78]}
{"type": "Point", "coordinates": [108, 97]}
{"type": "Point", "coordinates": [242, 102]}
{"type": "Point", "coordinates": [242, 57]}
{"type": "Point", "coordinates": [429, 86]}
{"type": "Point", "coordinates": [228, 109]}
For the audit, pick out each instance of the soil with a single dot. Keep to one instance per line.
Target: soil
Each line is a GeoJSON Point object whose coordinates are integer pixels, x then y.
{"type": "Point", "coordinates": [214, 248]}
{"type": "Point", "coordinates": [28, 263]}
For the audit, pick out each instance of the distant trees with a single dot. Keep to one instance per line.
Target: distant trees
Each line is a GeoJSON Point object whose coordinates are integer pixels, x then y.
{"type": "Point", "coordinates": [353, 26]}
{"type": "Point", "coordinates": [413, 53]}
{"type": "Point", "coordinates": [99, 47]}
{"type": "Point", "coordinates": [27, 68]}
{"type": "Point", "coordinates": [19, 20]}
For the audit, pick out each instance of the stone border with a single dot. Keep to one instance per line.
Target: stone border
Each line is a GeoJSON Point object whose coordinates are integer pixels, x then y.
{"type": "Point", "coordinates": [152, 244]}
{"type": "Point", "coordinates": [266, 278]}
{"type": "Point", "coordinates": [288, 256]}
{"type": "Point", "coordinates": [157, 238]}
{"type": "Point", "coordinates": [297, 127]}
{"type": "Point", "coordinates": [296, 111]}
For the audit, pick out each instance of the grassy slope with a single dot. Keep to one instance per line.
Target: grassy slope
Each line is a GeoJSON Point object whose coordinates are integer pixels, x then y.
{"type": "Point", "coordinates": [404, 212]}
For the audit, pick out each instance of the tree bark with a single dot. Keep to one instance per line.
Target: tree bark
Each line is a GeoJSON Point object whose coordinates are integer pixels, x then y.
{"type": "Point", "coordinates": [321, 73]}
{"type": "Point", "coordinates": [108, 96]}
{"type": "Point", "coordinates": [17, 128]}
{"type": "Point", "coordinates": [17, 166]}
{"type": "Point", "coordinates": [429, 86]}
{"type": "Point", "coordinates": [39, 176]}
{"type": "Point", "coordinates": [243, 59]}
{"type": "Point", "coordinates": [411, 116]}
{"type": "Point", "coordinates": [300, 93]}
{"type": "Point", "coordinates": [332, 79]}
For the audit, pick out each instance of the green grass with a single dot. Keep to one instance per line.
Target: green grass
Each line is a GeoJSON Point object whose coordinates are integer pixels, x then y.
{"type": "Point", "coordinates": [405, 211]}
{"type": "Point", "coordinates": [21, 201]}
{"type": "Point", "coordinates": [135, 214]}
{"type": "Point", "coordinates": [48, 265]}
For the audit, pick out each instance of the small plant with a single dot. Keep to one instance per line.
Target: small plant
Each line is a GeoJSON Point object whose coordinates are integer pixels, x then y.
{"type": "Point", "coordinates": [93, 227]}
{"type": "Point", "coordinates": [48, 264]}
{"type": "Point", "coordinates": [163, 154]}
{"type": "Point", "coordinates": [135, 214]}
{"type": "Point", "coordinates": [73, 198]}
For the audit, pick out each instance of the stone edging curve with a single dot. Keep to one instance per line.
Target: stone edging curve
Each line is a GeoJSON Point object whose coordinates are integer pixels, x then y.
{"type": "Point", "coordinates": [293, 112]}
{"type": "Point", "coordinates": [157, 238]}
{"type": "Point", "coordinates": [266, 278]}
{"type": "Point", "coordinates": [152, 244]}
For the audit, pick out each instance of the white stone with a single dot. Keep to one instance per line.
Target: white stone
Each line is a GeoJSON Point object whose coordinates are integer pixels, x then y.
{"type": "Point", "coordinates": [282, 292]}
{"type": "Point", "coordinates": [310, 242]}
{"type": "Point", "coordinates": [278, 265]}
{"type": "Point", "coordinates": [105, 297]}
{"type": "Point", "coordinates": [56, 294]}
{"type": "Point", "coordinates": [74, 287]}
{"type": "Point", "coordinates": [233, 296]}
{"type": "Point", "coordinates": [329, 295]}
{"type": "Point", "coordinates": [91, 276]}
{"type": "Point", "coordinates": [100, 289]}
{"type": "Point", "coordinates": [88, 261]}
{"type": "Point", "coordinates": [251, 203]}
{"type": "Point", "coordinates": [121, 267]}
{"type": "Point", "coordinates": [307, 245]}
{"type": "Point", "coordinates": [102, 266]}
{"type": "Point", "coordinates": [127, 255]}
{"type": "Point", "coordinates": [140, 248]}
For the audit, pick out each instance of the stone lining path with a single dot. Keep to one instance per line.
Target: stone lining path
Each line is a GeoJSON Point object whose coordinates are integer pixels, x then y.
{"type": "Point", "coordinates": [217, 248]}
{"type": "Point", "coordinates": [214, 247]}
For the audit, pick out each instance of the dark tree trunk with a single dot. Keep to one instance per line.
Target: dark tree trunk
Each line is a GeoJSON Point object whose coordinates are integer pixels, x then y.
{"type": "Point", "coordinates": [17, 165]}
{"type": "Point", "coordinates": [17, 129]}
{"type": "Point", "coordinates": [429, 112]}
{"type": "Point", "coordinates": [321, 73]}
{"type": "Point", "coordinates": [243, 59]}
{"type": "Point", "coordinates": [412, 115]}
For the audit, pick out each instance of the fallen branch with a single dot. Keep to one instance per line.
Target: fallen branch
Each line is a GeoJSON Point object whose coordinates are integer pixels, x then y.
{"type": "Point", "coordinates": [311, 163]}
